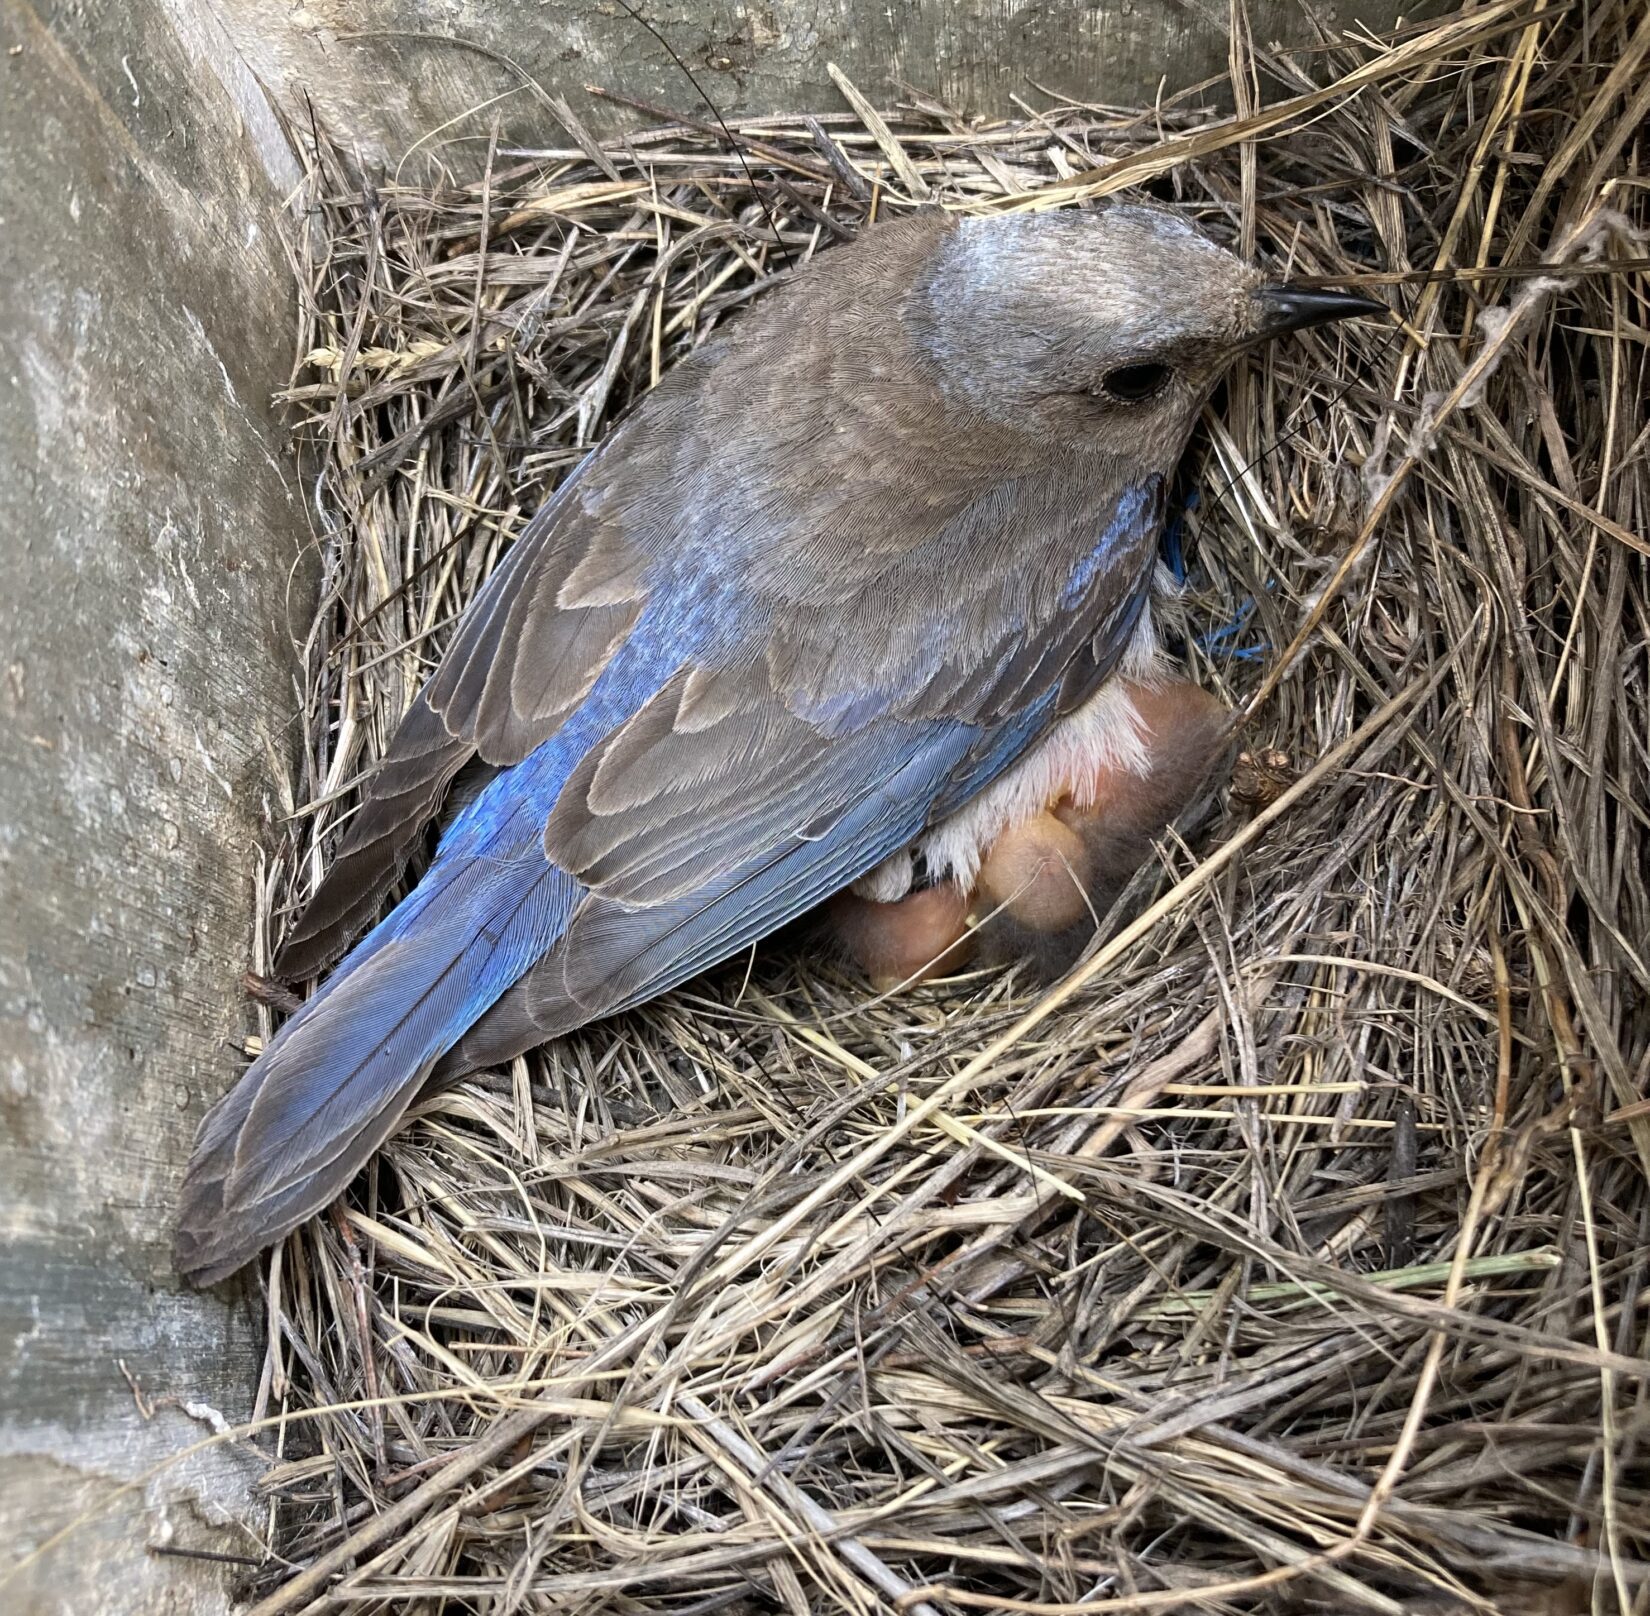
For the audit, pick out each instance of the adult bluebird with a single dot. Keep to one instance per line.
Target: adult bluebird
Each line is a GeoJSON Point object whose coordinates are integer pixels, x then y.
{"type": "Point", "coordinates": [843, 598]}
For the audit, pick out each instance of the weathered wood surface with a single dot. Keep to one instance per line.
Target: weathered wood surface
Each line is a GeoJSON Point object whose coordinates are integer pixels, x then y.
{"type": "Point", "coordinates": [149, 531]}
{"type": "Point", "coordinates": [395, 75]}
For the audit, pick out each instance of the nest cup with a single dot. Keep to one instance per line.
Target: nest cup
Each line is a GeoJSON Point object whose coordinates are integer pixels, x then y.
{"type": "Point", "coordinates": [1291, 1253]}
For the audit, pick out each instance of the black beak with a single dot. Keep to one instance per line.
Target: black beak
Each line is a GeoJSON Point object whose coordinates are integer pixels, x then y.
{"type": "Point", "coordinates": [1294, 308]}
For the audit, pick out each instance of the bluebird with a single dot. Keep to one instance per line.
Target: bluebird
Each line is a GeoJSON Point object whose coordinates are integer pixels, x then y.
{"type": "Point", "coordinates": [848, 594]}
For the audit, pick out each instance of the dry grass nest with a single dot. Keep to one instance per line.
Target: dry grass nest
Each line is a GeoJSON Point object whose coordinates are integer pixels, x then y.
{"type": "Point", "coordinates": [1292, 1252]}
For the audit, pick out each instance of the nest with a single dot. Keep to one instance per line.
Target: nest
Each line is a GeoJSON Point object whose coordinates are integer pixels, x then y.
{"type": "Point", "coordinates": [1291, 1252]}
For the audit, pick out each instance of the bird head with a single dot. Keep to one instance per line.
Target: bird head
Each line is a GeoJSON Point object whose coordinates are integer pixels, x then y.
{"type": "Point", "coordinates": [1103, 327]}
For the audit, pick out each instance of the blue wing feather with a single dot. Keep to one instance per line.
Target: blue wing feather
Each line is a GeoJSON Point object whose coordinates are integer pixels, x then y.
{"type": "Point", "coordinates": [488, 908]}
{"type": "Point", "coordinates": [617, 955]}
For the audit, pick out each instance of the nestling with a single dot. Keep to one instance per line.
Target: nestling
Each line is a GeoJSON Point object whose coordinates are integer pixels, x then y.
{"type": "Point", "coordinates": [1047, 878]}
{"type": "Point", "coordinates": [866, 573]}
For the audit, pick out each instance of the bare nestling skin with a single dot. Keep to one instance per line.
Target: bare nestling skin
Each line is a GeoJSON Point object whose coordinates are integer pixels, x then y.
{"type": "Point", "coordinates": [1118, 814]}
{"type": "Point", "coordinates": [1047, 879]}
{"type": "Point", "coordinates": [1038, 872]}
{"type": "Point", "coordinates": [910, 940]}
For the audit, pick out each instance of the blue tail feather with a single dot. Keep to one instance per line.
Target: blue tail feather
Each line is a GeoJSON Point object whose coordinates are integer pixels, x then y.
{"type": "Point", "coordinates": [338, 1075]}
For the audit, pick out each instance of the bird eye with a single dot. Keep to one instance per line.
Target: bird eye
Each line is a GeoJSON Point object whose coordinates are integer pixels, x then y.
{"type": "Point", "coordinates": [1134, 384]}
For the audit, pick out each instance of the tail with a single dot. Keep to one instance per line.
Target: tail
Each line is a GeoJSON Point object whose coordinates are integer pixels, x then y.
{"type": "Point", "coordinates": [338, 1076]}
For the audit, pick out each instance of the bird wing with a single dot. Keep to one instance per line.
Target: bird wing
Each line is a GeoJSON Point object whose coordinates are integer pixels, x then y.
{"type": "Point", "coordinates": [524, 656]}
{"type": "Point", "coordinates": [739, 797]}
{"type": "Point", "coordinates": [708, 745]}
